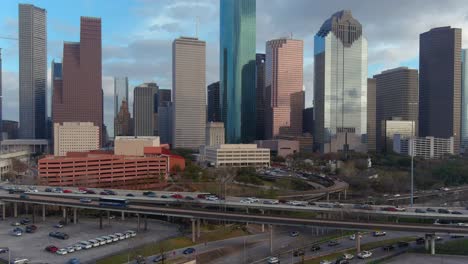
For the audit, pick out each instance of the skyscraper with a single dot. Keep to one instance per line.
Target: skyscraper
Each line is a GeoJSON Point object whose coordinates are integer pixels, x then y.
{"type": "Point", "coordinates": [189, 88]}
{"type": "Point", "coordinates": [283, 79]}
{"type": "Point", "coordinates": [143, 108]}
{"type": "Point", "coordinates": [120, 95]}
{"type": "Point", "coordinates": [78, 97]}
{"type": "Point", "coordinates": [214, 113]}
{"type": "Point", "coordinates": [164, 95]}
{"type": "Point", "coordinates": [371, 115]}
{"type": "Point", "coordinates": [396, 97]}
{"type": "Point", "coordinates": [1, 100]}
{"type": "Point", "coordinates": [260, 98]}
{"type": "Point", "coordinates": [440, 83]}
{"type": "Point", "coordinates": [464, 102]}
{"type": "Point", "coordinates": [55, 77]}
{"type": "Point", "coordinates": [340, 85]}
{"type": "Point", "coordinates": [32, 39]}
{"type": "Point", "coordinates": [237, 69]}
{"type": "Point", "coordinates": [122, 122]}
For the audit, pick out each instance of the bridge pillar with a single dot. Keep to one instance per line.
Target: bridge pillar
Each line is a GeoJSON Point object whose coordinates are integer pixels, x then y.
{"type": "Point", "coordinates": [108, 217]}
{"type": "Point", "coordinates": [358, 242]}
{"type": "Point", "coordinates": [43, 212]}
{"type": "Point", "coordinates": [263, 225]}
{"type": "Point", "coordinates": [15, 209]}
{"type": "Point", "coordinates": [138, 222]}
{"type": "Point", "coordinates": [433, 245]}
{"type": "Point", "coordinates": [198, 227]}
{"type": "Point", "coordinates": [145, 222]}
{"type": "Point", "coordinates": [100, 220]}
{"type": "Point", "coordinates": [194, 227]}
{"type": "Point", "coordinates": [271, 238]}
{"type": "Point", "coordinates": [123, 216]}
{"type": "Point", "coordinates": [74, 215]}
{"type": "Point", "coordinates": [426, 243]}
{"type": "Point", "coordinates": [345, 192]}
{"type": "Point", "coordinates": [339, 196]}
{"type": "Point", "coordinates": [64, 212]}
{"type": "Point", "coordinates": [3, 211]}
{"type": "Point", "coordinates": [328, 196]}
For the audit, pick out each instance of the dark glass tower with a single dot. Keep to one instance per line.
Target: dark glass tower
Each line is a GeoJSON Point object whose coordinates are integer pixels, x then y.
{"type": "Point", "coordinates": [237, 72]}
{"type": "Point", "coordinates": [213, 112]}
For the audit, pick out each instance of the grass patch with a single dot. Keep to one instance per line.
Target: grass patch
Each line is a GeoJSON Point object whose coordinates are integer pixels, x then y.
{"type": "Point", "coordinates": [454, 247]}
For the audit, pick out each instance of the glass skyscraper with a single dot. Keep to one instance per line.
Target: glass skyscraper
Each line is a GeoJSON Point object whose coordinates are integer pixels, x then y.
{"type": "Point", "coordinates": [237, 72]}
{"type": "Point", "coordinates": [464, 100]}
{"type": "Point", "coordinates": [340, 85]}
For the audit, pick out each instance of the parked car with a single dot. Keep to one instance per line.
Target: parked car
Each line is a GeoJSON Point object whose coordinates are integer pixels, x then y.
{"type": "Point", "coordinates": [15, 224]}
{"type": "Point", "coordinates": [189, 198]}
{"type": "Point", "coordinates": [48, 189]}
{"type": "Point", "coordinates": [379, 233]}
{"type": "Point", "coordinates": [61, 251]}
{"type": "Point", "coordinates": [315, 248]}
{"type": "Point", "coordinates": [298, 253]}
{"type": "Point", "coordinates": [325, 261]}
{"type": "Point", "coordinates": [25, 221]}
{"type": "Point", "coordinates": [443, 211]}
{"type": "Point", "coordinates": [430, 210]}
{"type": "Point", "coordinates": [77, 247]}
{"type": "Point", "coordinates": [51, 249]}
{"type": "Point", "coordinates": [177, 196]}
{"type": "Point", "coordinates": [159, 258]}
{"type": "Point", "coordinates": [294, 234]}
{"type": "Point", "coordinates": [348, 256]}
{"type": "Point", "coordinates": [342, 261]}
{"type": "Point", "coordinates": [103, 193]}
{"type": "Point", "coordinates": [59, 225]}
{"type": "Point", "coordinates": [74, 261]}
{"type": "Point", "coordinates": [90, 192]}
{"type": "Point", "coordinates": [70, 249]}
{"type": "Point", "coordinates": [188, 251]}
{"type": "Point", "coordinates": [31, 228]}
{"type": "Point", "coordinates": [59, 235]}
{"type": "Point", "coordinates": [85, 244]}
{"type": "Point", "coordinates": [149, 194]}
{"type": "Point", "coordinates": [364, 254]}
{"type": "Point", "coordinates": [67, 191]}
{"type": "Point", "coordinates": [110, 192]}
{"type": "Point", "coordinates": [273, 260]}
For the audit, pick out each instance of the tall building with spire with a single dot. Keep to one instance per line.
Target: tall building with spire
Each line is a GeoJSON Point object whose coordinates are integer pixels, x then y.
{"type": "Point", "coordinates": [340, 85]}
{"type": "Point", "coordinates": [32, 42]}
{"type": "Point", "coordinates": [120, 96]}
{"type": "Point", "coordinates": [237, 69]}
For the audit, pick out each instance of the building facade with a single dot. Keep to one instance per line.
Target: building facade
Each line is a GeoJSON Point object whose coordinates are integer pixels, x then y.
{"type": "Point", "coordinates": [424, 147]}
{"type": "Point", "coordinates": [440, 83]}
{"type": "Point", "coordinates": [134, 146]}
{"type": "Point", "coordinates": [75, 137]}
{"type": "Point", "coordinates": [120, 96]}
{"type": "Point", "coordinates": [279, 147]}
{"type": "Point", "coordinates": [213, 110]}
{"type": "Point", "coordinates": [260, 90]}
{"type": "Point", "coordinates": [308, 120]}
{"type": "Point", "coordinates": [189, 88]}
{"type": "Point", "coordinates": [214, 133]}
{"type": "Point", "coordinates": [404, 128]}
{"type": "Point", "coordinates": [143, 109]}
{"type": "Point", "coordinates": [371, 115]}
{"type": "Point", "coordinates": [237, 69]}
{"type": "Point", "coordinates": [32, 42]}
{"type": "Point", "coordinates": [164, 95]}
{"type": "Point", "coordinates": [1, 99]}
{"type": "Point", "coordinates": [396, 96]}
{"type": "Point", "coordinates": [237, 155]}
{"type": "Point", "coordinates": [165, 122]}
{"type": "Point", "coordinates": [123, 122]}
{"type": "Point", "coordinates": [78, 96]}
{"type": "Point", "coordinates": [464, 103]}
{"type": "Point", "coordinates": [340, 85]}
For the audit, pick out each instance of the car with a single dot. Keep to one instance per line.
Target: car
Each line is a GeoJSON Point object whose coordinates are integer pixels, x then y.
{"type": "Point", "coordinates": [325, 205]}
{"type": "Point", "coordinates": [101, 241]}
{"type": "Point", "coordinates": [189, 198]}
{"type": "Point", "coordinates": [438, 238]}
{"type": "Point", "coordinates": [337, 205]}
{"type": "Point", "coordinates": [15, 224]}
{"type": "Point", "coordinates": [59, 235]}
{"type": "Point", "coordinates": [84, 189]}
{"type": "Point", "coordinates": [443, 211]}
{"type": "Point", "coordinates": [110, 192]}
{"type": "Point", "coordinates": [298, 253]}
{"type": "Point", "coordinates": [48, 189]}
{"type": "Point", "coordinates": [140, 259]}
{"type": "Point", "coordinates": [85, 244]}
{"type": "Point", "coordinates": [420, 211]}
{"type": "Point", "coordinates": [353, 236]}
{"type": "Point", "coordinates": [3, 250]}
{"type": "Point", "coordinates": [379, 233]}
{"type": "Point", "coordinates": [57, 190]}
{"type": "Point", "coordinates": [273, 260]}
{"type": "Point", "coordinates": [90, 192]}
{"type": "Point", "coordinates": [86, 200]}
{"type": "Point", "coordinates": [270, 202]}
{"type": "Point", "coordinates": [114, 238]}
{"type": "Point", "coordinates": [342, 261]}
{"type": "Point", "coordinates": [325, 261]}
{"type": "Point", "coordinates": [315, 248]}
{"type": "Point", "coordinates": [389, 209]}
{"type": "Point", "coordinates": [24, 196]}
{"type": "Point", "coordinates": [333, 243]}
{"type": "Point", "coordinates": [103, 193]}
{"type": "Point", "coordinates": [80, 192]}
{"type": "Point", "coordinates": [420, 240]}
{"type": "Point", "coordinates": [61, 251]}
{"type": "Point", "coordinates": [294, 234]}
{"type": "Point", "coordinates": [77, 247]}
{"type": "Point", "coordinates": [397, 195]}
{"type": "Point", "coordinates": [108, 239]}
{"type": "Point", "coordinates": [130, 195]}
{"type": "Point", "coordinates": [402, 244]}
{"type": "Point", "coordinates": [294, 203]}
{"type": "Point", "coordinates": [188, 251]}
{"type": "Point", "coordinates": [457, 212]}
{"type": "Point", "coordinates": [254, 199]}
{"type": "Point", "coordinates": [211, 198]}
{"type": "Point", "coordinates": [430, 210]}
{"type": "Point", "coordinates": [177, 196]}
{"type": "Point", "coordinates": [31, 228]}
{"type": "Point", "coordinates": [131, 233]}
{"type": "Point", "coordinates": [67, 191]}
{"type": "Point", "coordinates": [445, 189]}
{"type": "Point", "coordinates": [70, 249]}
{"type": "Point", "coordinates": [149, 194]}
{"type": "Point", "coordinates": [159, 258]}
{"type": "Point", "coordinates": [94, 242]}
{"type": "Point", "coordinates": [25, 221]}
{"type": "Point", "coordinates": [246, 201]}
{"type": "Point", "coordinates": [164, 196]}
{"type": "Point", "coordinates": [17, 232]}
{"type": "Point", "coordinates": [74, 261]}
{"type": "Point", "coordinates": [201, 196]}
{"type": "Point", "coordinates": [456, 236]}
{"type": "Point", "coordinates": [51, 249]}
{"type": "Point", "coordinates": [120, 236]}
{"type": "Point", "coordinates": [58, 225]}
{"type": "Point", "coordinates": [388, 247]}
{"type": "Point", "coordinates": [348, 256]}
{"type": "Point", "coordinates": [364, 254]}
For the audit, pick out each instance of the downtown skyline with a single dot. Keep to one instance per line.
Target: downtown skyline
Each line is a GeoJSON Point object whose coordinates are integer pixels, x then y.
{"type": "Point", "coordinates": [144, 55]}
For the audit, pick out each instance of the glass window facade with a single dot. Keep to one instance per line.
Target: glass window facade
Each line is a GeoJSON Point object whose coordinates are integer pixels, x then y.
{"type": "Point", "coordinates": [464, 107]}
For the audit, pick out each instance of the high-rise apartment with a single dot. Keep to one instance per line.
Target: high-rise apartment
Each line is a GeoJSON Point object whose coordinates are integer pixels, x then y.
{"type": "Point", "coordinates": [143, 108]}
{"type": "Point", "coordinates": [78, 97]}
{"type": "Point", "coordinates": [396, 97]}
{"type": "Point", "coordinates": [260, 90]}
{"type": "Point", "coordinates": [371, 115]}
{"type": "Point", "coordinates": [464, 103]}
{"type": "Point", "coordinates": [440, 83]}
{"type": "Point", "coordinates": [283, 79]}
{"type": "Point", "coordinates": [213, 110]}
{"type": "Point", "coordinates": [32, 37]}
{"type": "Point", "coordinates": [189, 88]}
{"type": "Point", "coordinates": [340, 85]}
{"type": "Point", "coordinates": [237, 69]}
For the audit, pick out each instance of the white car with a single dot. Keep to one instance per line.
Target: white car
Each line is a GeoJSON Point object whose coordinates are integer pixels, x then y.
{"type": "Point", "coordinates": [62, 251]}
{"type": "Point", "coordinates": [211, 198]}
{"type": "Point", "coordinates": [253, 199]}
{"type": "Point", "coordinates": [127, 235]}
{"type": "Point", "coordinates": [32, 191]}
{"type": "Point", "coordinates": [326, 261]}
{"type": "Point", "coordinates": [85, 244]}
{"type": "Point", "coordinates": [94, 242]}
{"type": "Point", "coordinates": [247, 201]}
{"type": "Point", "coordinates": [132, 233]}
{"type": "Point", "coordinates": [353, 237]}
{"type": "Point", "coordinates": [77, 247]}
{"type": "Point", "coordinates": [364, 254]}
{"type": "Point", "coordinates": [108, 239]}
{"type": "Point", "coordinates": [120, 236]}
{"type": "Point", "coordinates": [273, 260]}
{"type": "Point", "coordinates": [80, 192]}
{"type": "Point", "coordinates": [397, 195]}
{"type": "Point", "coordinates": [348, 256]}
{"type": "Point", "coordinates": [70, 249]}
{"type": "Point", "coordinates": [101, 241]}
{"type": "Point", "coordinates": [295, 203]}
{"type": "Point", "coordinates": [114, 238]}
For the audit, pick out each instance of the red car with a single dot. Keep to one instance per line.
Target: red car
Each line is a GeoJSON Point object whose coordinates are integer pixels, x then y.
{"type": "Point", "coordinates": [83, 189]}
{"type": "Point", "coordinates": [389, 209]}
{"type": "Point", "coordinates": [177, 196]}
{"type": "Point", "coordinates": [201, 196]}
{"type": "Point", "coordinates": [67, 191]}
{"type": "Point", "coordinates": [51, 249]}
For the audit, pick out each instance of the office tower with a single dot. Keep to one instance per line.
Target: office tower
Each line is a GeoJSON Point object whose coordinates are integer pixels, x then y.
{"type": "Point", "coordinates": [340, 85]}
{"type": "Point", "coordinates": [188, 85]}
{"type": "Point", "coordinates": [165, 122]}
{"type": "Point", "coordinates": [308, 120]}
{"type": "Point", "coordinates": [75, 137]}
{"type": "Point", "coordinates": [371, 115]}
{"type": "Point", "coordinates": [120, 96]}
{"type": "Point", "coordinates": [1, 99]}
{"type": "Point", "coordinates": [237, 69]}
{"type": "Point", "coordinates": [260, 98]}
{"type": "Point", "coordinates": [464, 103]}
{"type": "Point", "coordinates": [32, 37]}
{"type": "Point", "coordinates": [78, 97]}
{"type": "Point", "coordinates": [122, 122]}
{"type": "Point", "coordinates": [283, 78]}
{"type": "Point", "coordinates": [213, 112]}
{"type": "Point", "coordinates": [397, 96]}
{"type": "Point", "coordinates": [55, 80]}
{"type": "Point", "coordinates": [164, 95]}
{"type": "Point", "coordinates": [440, 84]}
{"type": "Point", "coordinates": [214, 134]}
{"type": "Point", "coordinates": [143, 108]}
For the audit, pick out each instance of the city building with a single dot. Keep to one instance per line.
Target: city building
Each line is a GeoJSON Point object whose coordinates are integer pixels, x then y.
{"type": "Point", "coordinates": [440, 83]}
{"type": "Point", "coordinates": [424, 147]}
{"type": "Point", "coordinates": [56, 76]}
{"type": "Point", "coordinates": [143, 109]}
{"type": "Point", "coordinates": [75, 137]}
{"type": "Point", "coordinates": [283, 78]}
{"type": "Point", "coordinates": [391, 127]}
{"type": "Point", "coordinates": [214, 133]}
{"type": "Point", "coordinates": [9, 129]}
{"type": "Point", "coordinates": [306, 142]}
{"type": "Point", "coordinates": [134, 146]}
{"type": "Point", "coordinates": [189, 92]}
{"type": "Point", "coordinates": [464, 103]}
{"type": "Point", "coordinates": [1, 99]}
{"type": "Point", "coordinates": [237, 69]}
{"type": "Point", "coordinates": [120, 96]}
{"type": "Point", "coordinates": [165, 122]}
{"type": "Point", "coordinates": [237, 155]}
{"type": "Point", "coordinates": [340, 85]}
{"type": "Point", "coordinates": [32, 43]}
{"type": "Point", "coordinates": [297, 103]}
{"type": "Point", "coordinates": [371, 115]}
{"type": "Point", "coordinates": [122, 121]}
{"type": "Point", "coordinates": [279, 147]}
{"type": "Point", "coordinates": [260, 90]}
{"type": "Point", "coordinates": [164, 95]}
{"type": "Point", "coordinates": [78, 96]}
{"type": "Point", "coordinates": [308, 120]}
{"type": "Point", "coordinates": [213, 111]}
{"type": "Point", "coordinates": [30, 146]}
{"type": "Point", "coordinates": [396, 96]}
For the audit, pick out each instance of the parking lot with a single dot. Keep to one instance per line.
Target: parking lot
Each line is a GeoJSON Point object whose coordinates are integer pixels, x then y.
{"type": "Point", "coordinates": [32, 245]}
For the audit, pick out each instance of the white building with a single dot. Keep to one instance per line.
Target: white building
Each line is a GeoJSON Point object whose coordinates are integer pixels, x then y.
{"type": "Point", "coordinates": [134, 146]}
{"type": "Point", "coordinates": [214, 133]}
{"type": "Point", "coordinates": [75, 137]}
{"type": "Point", "coordinates": [424, 147]}
{"type": "Point", "coordinates": [237, 155]}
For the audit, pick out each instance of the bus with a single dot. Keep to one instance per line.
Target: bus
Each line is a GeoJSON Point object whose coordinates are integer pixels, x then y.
{"type": "Point", "coordinates": [113, 202]}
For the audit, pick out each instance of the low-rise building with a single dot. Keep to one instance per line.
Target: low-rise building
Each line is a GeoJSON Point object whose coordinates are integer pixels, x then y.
{"type": "Point", "coordinates": [423, 147]}
{"type": "Point", "coordinates": [134, 146]}
{"type": "Point", "coordinates": [237, 155]}
{"type": "Point", "coordinates": [75, 137]}
{"type": "Point", "coordinates": [405, 128]}
{"type": "Point", "coordinates": [32, 146]}
{"type": "Point", "coordinates": [214, 133]}
{"type": "Point", "coordinates": [279, 147]}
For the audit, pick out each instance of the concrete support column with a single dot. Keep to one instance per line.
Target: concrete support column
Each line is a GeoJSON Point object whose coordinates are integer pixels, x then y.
{"type": "Point", "coordinates": [123, 216]}
{"type": "Point", "coordinates": [426, 243]}
{"type": "Point", "coordinates": [198, 228]}
{"type": "Point", "coordinates": [358, 242]}
{"type": "Point", "coordinates": [108, 217]}
{"type": "Point", "coordinates": [15, 209]}
{"type": "Point", "coordinates": [194, 227]}
{"type": "Point", "coordinates": [145, 222]}
{"type": "Point", "coordinates": [433, 245]}
{"type": "Point", "coordinates": [138, 222]}
{"type": "Point", "coordinates": [339, 196]}
{"type": "Point", "coordinates": [328, 196]}
{"type": "Point", "coordinates": [3, 211]}
{"type": "Point", "coordinates": [34, 214]}
{"type": "Point", "coordinates": [64, 212]}
{"type": "Point", "coordinates": [345, 192]}
{"type": "Point", "coordinates": [271, 238]}
{"type": "Point", "coordinates": [74, 215]}
{"type": "Point", "coordinates": [100, 219]}
{"type": "Point", "coordinates": [43, 212]}
{"type": "Point", "coordinates": [263, 225]}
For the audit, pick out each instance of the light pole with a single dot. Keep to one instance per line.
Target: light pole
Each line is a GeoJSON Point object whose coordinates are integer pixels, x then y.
{"type": "Point", "coordinates": [411, 140]}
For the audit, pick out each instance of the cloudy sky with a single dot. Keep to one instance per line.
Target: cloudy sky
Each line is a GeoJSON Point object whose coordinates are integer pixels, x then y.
{"type": "Point", "coordinates": [137, 34]}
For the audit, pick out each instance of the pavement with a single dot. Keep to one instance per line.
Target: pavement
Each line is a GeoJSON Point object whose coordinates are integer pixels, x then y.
{"type": "Point", "coordinates": [425, 259]}
{"type": "Point", "coordinates": [32, 246]}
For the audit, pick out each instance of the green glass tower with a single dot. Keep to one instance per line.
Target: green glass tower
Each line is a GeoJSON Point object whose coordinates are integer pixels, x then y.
{"type": "Point", "coordinates": [237, 72]}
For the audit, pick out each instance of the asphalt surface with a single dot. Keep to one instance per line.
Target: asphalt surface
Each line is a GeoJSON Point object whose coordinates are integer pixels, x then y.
{"type": "Point", "coordinates": [425, 259]}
